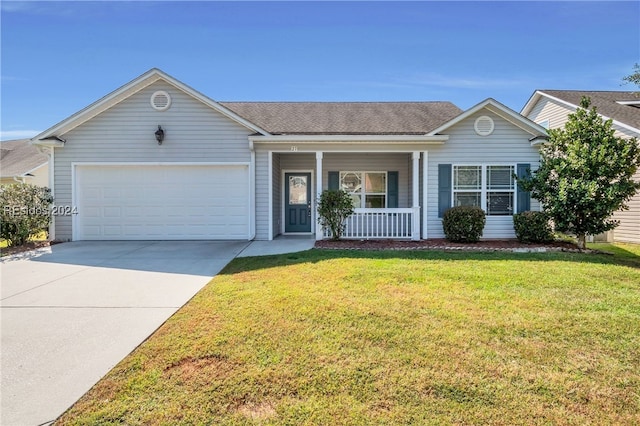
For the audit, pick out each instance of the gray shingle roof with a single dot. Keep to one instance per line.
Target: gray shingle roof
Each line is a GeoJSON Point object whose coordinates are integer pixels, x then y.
{"type": "Point", "coordinates": [18, 157]}
{"type": "Point", "coordinates": [605, 103]}
{"type": "Point", "coordinates": [346, 118]}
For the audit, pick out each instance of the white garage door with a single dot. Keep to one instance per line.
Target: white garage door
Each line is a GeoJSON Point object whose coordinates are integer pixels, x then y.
{"type": "Point", "coordinates": [162, 202]}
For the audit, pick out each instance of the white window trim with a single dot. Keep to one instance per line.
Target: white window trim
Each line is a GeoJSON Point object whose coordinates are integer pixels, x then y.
{"type": "Point", "coordinates": [363, 194]}
{"type": "Point", "coordinates": [483, 188]}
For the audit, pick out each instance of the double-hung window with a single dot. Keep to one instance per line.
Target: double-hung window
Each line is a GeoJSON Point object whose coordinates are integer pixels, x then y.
{"type": "Point", "coordinates": [490, 187]}
{"type": "Point", "coordinates": [367, 189]}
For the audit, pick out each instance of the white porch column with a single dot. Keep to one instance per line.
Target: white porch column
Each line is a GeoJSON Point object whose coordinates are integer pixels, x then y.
{"type": "Point", "coordinates": [415, 187]}
{"type": "Point", "coordinates": [425, 193]}
{"type": "Point", "coordinates": [270, 189]}
{"type": "Point", "coordinates": [319, 156]}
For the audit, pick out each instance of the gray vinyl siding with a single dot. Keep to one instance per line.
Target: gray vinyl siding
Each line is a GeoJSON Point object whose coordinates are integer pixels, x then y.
{"type": "Point", "coordinates": [277, 198]}
{"type": "Point", "coordinates": [557, 114]}
{"type": "Point", "coordinates": [262, 194]}
{"type": "Point", "coordinates": [507, 145]}
{"type": "Point", "coordinates": [125, 133]}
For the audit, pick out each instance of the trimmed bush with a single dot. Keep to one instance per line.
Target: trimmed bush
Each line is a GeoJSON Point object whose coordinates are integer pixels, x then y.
{"type": "Point", "coordinates": [463, 224]}
{"type": "Point", "coordinates": [334, 207]}
{"type": "Point", "coordinates": [26, 211]}
{"type": "Point", "coordinates": [532, 227]}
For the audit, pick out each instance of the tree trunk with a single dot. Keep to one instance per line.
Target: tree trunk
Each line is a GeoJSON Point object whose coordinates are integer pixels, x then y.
{"type": "Point", "coordinates": [582, 241]}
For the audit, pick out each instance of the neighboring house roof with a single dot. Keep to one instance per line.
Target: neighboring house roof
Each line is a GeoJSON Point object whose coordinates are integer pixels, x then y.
{"type": "Point", "coordinates": [613, 105]}
{"type": "Point", "coordinates": [19, 157]}
{"type": "Point", "coordinates": [346, 118]}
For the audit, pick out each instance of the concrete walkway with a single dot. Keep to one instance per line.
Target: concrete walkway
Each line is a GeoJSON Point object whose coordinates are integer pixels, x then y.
{"type": "Point", "coordinates": [279, 245]}
{"type": "Point", "coordinates": [71, 312]}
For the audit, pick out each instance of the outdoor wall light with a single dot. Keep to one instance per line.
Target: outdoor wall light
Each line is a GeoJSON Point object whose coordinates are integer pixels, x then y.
{"type": "Point", "coordinates": [159, 135]}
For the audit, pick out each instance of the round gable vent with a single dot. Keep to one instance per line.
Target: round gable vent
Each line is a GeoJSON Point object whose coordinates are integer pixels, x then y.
{"type": "Point", "coordinates": [160, 100]}
{"type": "Point", "coordinates": [483, 125]}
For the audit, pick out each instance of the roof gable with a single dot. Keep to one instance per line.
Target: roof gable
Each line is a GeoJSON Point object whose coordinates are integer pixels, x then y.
{"type": "Point", "coordinates": [616, 105]}
{"type": "Point", "coordinates": [346, 118]}
{"type": "Point", "coordinates": [19, 157]}
{"type": "Point", "coordinates": [501, 110]}
{"type": "Point", "coordinates": [126, 91]}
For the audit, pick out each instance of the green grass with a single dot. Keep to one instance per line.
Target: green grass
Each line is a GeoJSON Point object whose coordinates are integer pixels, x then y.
{"type": "Point", "coordinates": [391, 338]}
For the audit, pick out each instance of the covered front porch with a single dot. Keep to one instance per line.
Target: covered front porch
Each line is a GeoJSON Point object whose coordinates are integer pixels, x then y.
{"type": "Point", "coordinates": [388, 185]}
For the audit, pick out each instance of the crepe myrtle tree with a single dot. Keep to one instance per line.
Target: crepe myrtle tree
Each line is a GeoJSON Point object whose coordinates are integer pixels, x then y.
{"type": "Point", "coordinates": [586, 174]}
{"type": "Point", "coordinates": [334, 207]}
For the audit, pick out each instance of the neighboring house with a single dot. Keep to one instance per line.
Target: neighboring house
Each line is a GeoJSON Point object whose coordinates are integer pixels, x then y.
{"type": "Point", "coordinates": [22, 162]}
{"type": "Point", "coordinates": [254, 170]}
{"type": "Point", "coordinates": [550, 108]}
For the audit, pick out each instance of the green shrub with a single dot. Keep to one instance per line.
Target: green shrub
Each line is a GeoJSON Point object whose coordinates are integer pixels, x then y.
{"type": "Point", "coordinates": [532, 227]}
{"type": "Point", "coordinates": [333, 208]}
{"type": "Point", "coordinates": [25, 210]}
{"type": "Point", "coordinates": [463, 224]}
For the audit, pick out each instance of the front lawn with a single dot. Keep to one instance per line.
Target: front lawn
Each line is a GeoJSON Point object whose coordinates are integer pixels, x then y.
{"type": "Point", "coordinates": [362, 338]}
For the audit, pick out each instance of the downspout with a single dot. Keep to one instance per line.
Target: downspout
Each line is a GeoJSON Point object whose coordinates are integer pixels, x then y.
{"type": "Point", "coordinates": [52, 226]}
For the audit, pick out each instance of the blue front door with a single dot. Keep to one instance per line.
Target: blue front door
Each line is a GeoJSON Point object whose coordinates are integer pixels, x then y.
{"type": "Point", "coordinates": [297, 202]}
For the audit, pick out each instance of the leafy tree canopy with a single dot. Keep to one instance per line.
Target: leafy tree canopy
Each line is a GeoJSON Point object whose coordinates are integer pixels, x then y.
{"type": "Point", "coordinates": [25, 210]}
{"type": "Point", "coordinates": [634, 77]}
{"type": "Point", "coordinates": [586, 174]}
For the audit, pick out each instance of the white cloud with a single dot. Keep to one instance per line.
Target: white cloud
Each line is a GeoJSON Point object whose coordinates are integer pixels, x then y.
{"type": "Point", "coordinates": [461, 82]}
{"type": "Point", "coordinates": [6, 135]}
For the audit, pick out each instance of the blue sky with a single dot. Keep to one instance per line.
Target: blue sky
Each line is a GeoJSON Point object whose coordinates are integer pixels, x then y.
{"type": "Point", "coordinates": [58, 57]}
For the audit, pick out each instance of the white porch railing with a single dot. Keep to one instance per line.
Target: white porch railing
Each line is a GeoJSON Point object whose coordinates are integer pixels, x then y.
{"type": "Point", "coordinates": [368, 224]}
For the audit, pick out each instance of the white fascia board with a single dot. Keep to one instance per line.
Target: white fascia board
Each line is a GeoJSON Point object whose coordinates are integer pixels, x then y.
{"type": "Point", "coordinates": [368, 139]}
{"type": "Point", "coordinates": [213, 104]}
{"type": "Point", "coordinates": [129, 89]}
{"type": "Point", "coordinates": [35, 168]}
{"type": "Point", "coordinates": [99, 106]}
{"type": "Point", "coordinates": [47, 143]}
{"type": "Point", "coordinates": [575, 107]}
{"type": "Point", "coordinates": [531, 103]}
{"type": "Point", "coordinates": [517, 119]}
{"type": "Point", "coordinates": [499, 109]}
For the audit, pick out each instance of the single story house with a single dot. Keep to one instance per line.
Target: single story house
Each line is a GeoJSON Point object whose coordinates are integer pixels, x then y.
{"type": "Point", "coordinates": [550, 109]}
{"type": "Point", "coordinates": [22, 162]}
{"type": "Point", "coordinates": [157, 160]}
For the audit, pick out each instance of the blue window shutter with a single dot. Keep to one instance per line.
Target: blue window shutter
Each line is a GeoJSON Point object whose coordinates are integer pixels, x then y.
{"type": "Point", "coordinates": [444, 188]}
{"type": "Point", "coordinates": [334, 181]}
{"type": "Point", "coordinates": [524, 197]}
{"type": "Point", "coordinates": [392, 190]}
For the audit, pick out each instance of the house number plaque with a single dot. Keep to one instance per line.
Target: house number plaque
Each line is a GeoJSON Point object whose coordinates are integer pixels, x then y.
{"type": "Point", "coordinates": [294, 148]}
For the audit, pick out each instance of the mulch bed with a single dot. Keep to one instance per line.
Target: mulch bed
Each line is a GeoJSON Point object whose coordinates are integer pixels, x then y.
{"type": "Point", "coordinates": [31, 245]}
{"type": "Point", "coordinates": [442, 244]}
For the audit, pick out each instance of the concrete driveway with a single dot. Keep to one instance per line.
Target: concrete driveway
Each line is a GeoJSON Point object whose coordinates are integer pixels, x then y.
{"type": "Point", "coordinates": [71, 312]}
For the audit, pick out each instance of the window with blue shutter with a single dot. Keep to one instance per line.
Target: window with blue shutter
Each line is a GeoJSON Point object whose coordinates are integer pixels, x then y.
{"type": "Point", "coordinates": [334, 181]}
{"type": "Point", "coordinates": [524, 197]}
{"type": "Point", "coordinates": [392, 190]}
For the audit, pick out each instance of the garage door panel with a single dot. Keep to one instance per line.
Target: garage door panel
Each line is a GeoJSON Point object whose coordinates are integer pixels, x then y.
{"type": "Point", "coordinates": [162, 202]}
